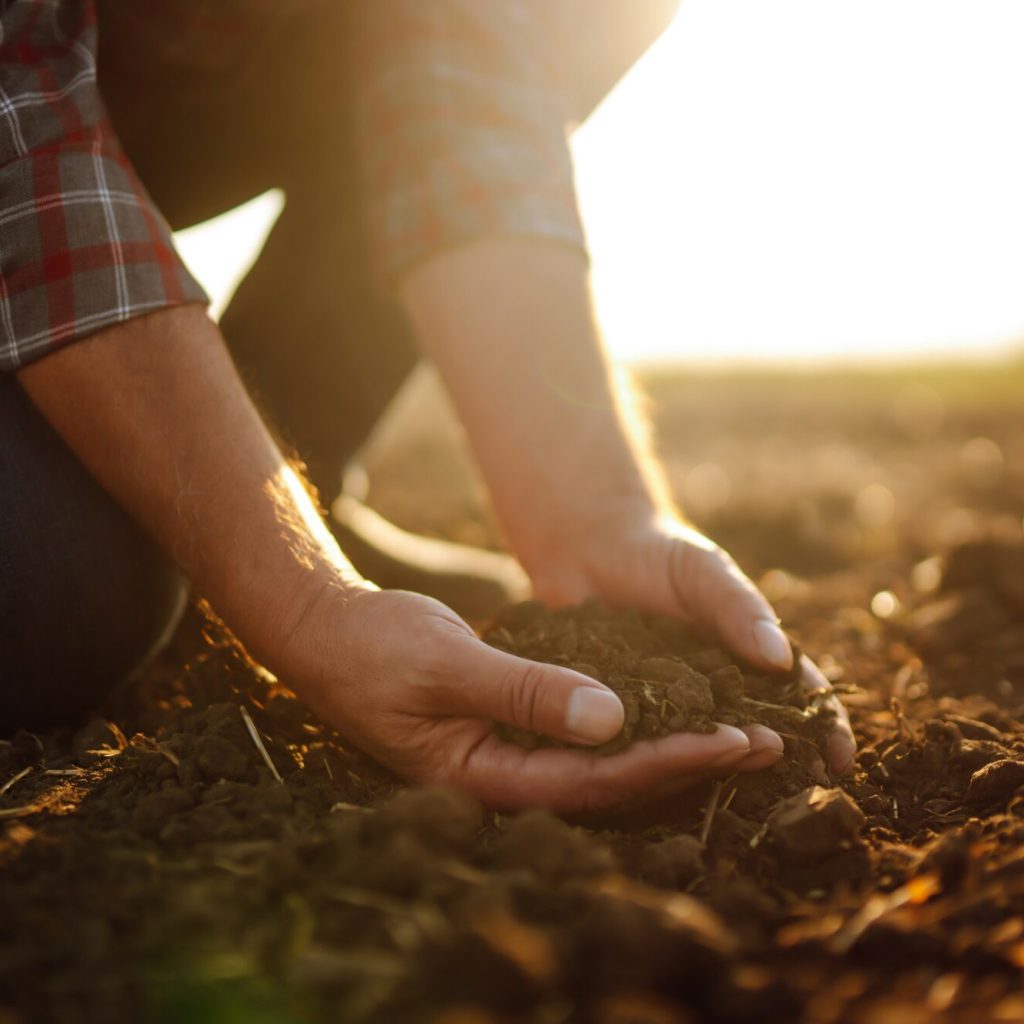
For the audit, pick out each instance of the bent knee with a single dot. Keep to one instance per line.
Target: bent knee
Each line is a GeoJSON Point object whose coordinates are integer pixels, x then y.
{"type": "Point", "coordinates": [73, 642]}
{"type": "Point", "coordinates": [85, 595]}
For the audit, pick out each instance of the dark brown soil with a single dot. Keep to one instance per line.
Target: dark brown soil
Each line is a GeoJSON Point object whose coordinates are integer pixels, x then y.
{"type": "Point", "coordinates": [670, 680]}
{"type": "Point", "coordinates": [153, 869]}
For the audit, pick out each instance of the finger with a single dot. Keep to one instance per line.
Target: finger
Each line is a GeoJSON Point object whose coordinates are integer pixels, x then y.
{"type": "Point", "coordinates": [716, 592]}
{"type": "Point", "coordinates": [547, 699]}
{"type": "Point", "coordinates": [569, 781]}
{"type": "Point", "coordinates": [766, 749]}
{"type": "Point", "coordinates": [841, 746]}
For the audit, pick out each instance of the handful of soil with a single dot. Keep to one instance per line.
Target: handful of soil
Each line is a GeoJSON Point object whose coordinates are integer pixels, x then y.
{"type": "Point", "coordinates": [669, 679]}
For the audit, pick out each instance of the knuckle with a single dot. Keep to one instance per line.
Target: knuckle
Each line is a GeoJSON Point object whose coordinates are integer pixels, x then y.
{"type": "Point", "coordinates": [443, 654]}
{"type": "Point", "coordinates": [522, 690]}
{"type": "Point", "coordinates": [433, 652]}
{"type": "Point", "coordinates": [697, 570]}
{"type": "Point", "coordinates": [697, 560]}
{"type": "Point", "coordinates": [681, 568]}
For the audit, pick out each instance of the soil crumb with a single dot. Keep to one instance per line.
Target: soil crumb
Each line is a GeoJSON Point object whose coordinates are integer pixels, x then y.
{"type": "Point", "coordinates": [154, 870]}
{"type": "Point", "coordinates": [668, 678]}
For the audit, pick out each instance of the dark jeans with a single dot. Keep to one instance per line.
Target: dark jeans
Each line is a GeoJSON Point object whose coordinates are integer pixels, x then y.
{"type": "Point", "coordinates": [83, 595]}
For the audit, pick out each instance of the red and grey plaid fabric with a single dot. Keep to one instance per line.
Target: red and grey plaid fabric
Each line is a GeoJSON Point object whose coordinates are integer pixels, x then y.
{"type": "Point", "coordinates": [81, 245]}
{"type": "Point", "coordinates": [460, 122]}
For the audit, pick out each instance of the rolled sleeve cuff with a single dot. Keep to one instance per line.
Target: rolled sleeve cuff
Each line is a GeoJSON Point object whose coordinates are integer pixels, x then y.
{"type": "Point", "coordinates": [485, 189]}
{"type": "Point", "coordinates": [460, 124]}
{"type": "Point", "coordinates": [83, 248]}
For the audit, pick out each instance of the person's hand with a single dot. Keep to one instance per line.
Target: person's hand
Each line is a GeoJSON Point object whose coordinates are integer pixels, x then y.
{"type": "Point", "coordinates": [634, 558]}
{"type": "Point", "coordinates": [510, 325]}
{"type": "Point", "coordinates": [407, 681]}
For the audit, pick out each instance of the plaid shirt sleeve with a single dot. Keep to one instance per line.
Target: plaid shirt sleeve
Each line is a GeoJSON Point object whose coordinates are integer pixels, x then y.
{"type": "Point", "coordinates": [461, 124]}
{"type": "Point", "coordinates": [81, 245]}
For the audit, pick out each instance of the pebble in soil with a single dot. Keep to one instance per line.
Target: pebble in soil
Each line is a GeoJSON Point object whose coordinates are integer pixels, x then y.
{"type": "Point", "coordinates": [668, 678]}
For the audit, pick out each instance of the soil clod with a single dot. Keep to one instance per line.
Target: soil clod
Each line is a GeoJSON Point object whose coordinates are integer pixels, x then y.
{"type": "Point", "coordinates": [814, 824]}
{"type": "Point", "coordinates": [995, 783]}
{"type": "Point", "coordinates": [687, 686]}
{"type": "Point", "coordinates": [172, 877]}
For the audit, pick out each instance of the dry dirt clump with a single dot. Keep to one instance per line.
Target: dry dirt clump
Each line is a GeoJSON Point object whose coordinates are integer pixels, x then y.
{"type": "Point", "coordinates": [972, 629]}
{"type": "Point", "coordinates": [669, 679]}
{"type": "Point", "coordinates": [160, 865]}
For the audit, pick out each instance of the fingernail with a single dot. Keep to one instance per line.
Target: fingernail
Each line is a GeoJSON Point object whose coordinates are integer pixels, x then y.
{"type": "Point", "coordinates": [773, 645]}
{"type": "Point", "coordinates": [737, 749]}
{"type": "Point", "coordinates": [842, 748]}
{"type": "Point", "coordinates": [762, 738]}
{"type": "Point", "coordinates": [594, 716]}
{"type": "Point", "coordinates": [814, 679]}
{"type": "Point", "coordinates": [839, 758]}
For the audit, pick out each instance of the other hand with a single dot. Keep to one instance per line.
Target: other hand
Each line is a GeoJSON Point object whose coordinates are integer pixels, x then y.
{"type": "Point", "coordinates": [636, 558]}
{"type": "Point", "coordinates": [409, 682]}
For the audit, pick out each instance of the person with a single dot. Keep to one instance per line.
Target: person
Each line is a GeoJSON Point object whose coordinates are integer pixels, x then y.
{"type": "Point", "coordinates": [421, 146]}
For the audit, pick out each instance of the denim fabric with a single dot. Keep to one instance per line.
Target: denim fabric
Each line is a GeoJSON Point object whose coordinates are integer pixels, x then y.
{"type": "Point", "coordinates": [85, 597]}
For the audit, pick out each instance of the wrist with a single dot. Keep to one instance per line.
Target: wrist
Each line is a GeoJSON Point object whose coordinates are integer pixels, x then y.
{"type": "Point", "coordinates": [572, 564]}
{"type": "Point", "coordinates": [302, 648]}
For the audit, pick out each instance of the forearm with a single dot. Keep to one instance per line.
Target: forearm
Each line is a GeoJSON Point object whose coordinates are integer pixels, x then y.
{"type": "Point", "coordinates": [156, 412]}
{"type": "Point", "coordinates": [509, 323]}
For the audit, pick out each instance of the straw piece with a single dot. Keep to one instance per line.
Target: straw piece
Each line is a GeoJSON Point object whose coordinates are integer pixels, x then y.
{"type": "Point", "coordinates": [916, 891]}
{"type": "Point", "coordinates": [14, 780]}
{"type": "Point", "coordinates": [257, 739]}
{"type": "Point", "coordinates": [709, 816]}
{"type": "Point", "coordinates": [18, 812]}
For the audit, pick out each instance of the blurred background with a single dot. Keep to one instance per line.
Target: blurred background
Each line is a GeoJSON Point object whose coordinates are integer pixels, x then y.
{"type": "Point", "coordinates": [807, 227]}
{"type": "Point", "coordinates": [806, 181]}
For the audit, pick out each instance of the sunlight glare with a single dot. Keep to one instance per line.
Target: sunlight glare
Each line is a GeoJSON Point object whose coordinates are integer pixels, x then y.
{"type": "Point", "coordinates": [805, 180]}
{"type": "Point", "coordinates": [809, 179]}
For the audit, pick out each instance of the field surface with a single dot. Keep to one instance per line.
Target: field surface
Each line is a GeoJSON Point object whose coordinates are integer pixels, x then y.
{"type": "Point", "coordinates": [203, 851]}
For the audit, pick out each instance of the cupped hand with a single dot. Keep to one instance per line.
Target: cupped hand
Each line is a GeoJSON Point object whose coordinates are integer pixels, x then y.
{"type": "Point", "coordinates": [406, 680]}
{"type": "Point", "coordinates": [659, 564]}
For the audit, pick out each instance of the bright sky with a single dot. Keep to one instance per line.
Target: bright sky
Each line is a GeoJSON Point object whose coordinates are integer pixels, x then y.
{"type": "Point", "coordinates": [831, 180]}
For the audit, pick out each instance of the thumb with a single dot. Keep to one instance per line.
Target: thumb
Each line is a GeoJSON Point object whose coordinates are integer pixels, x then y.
{"type": "Point", "coordinates": [530, 695]}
